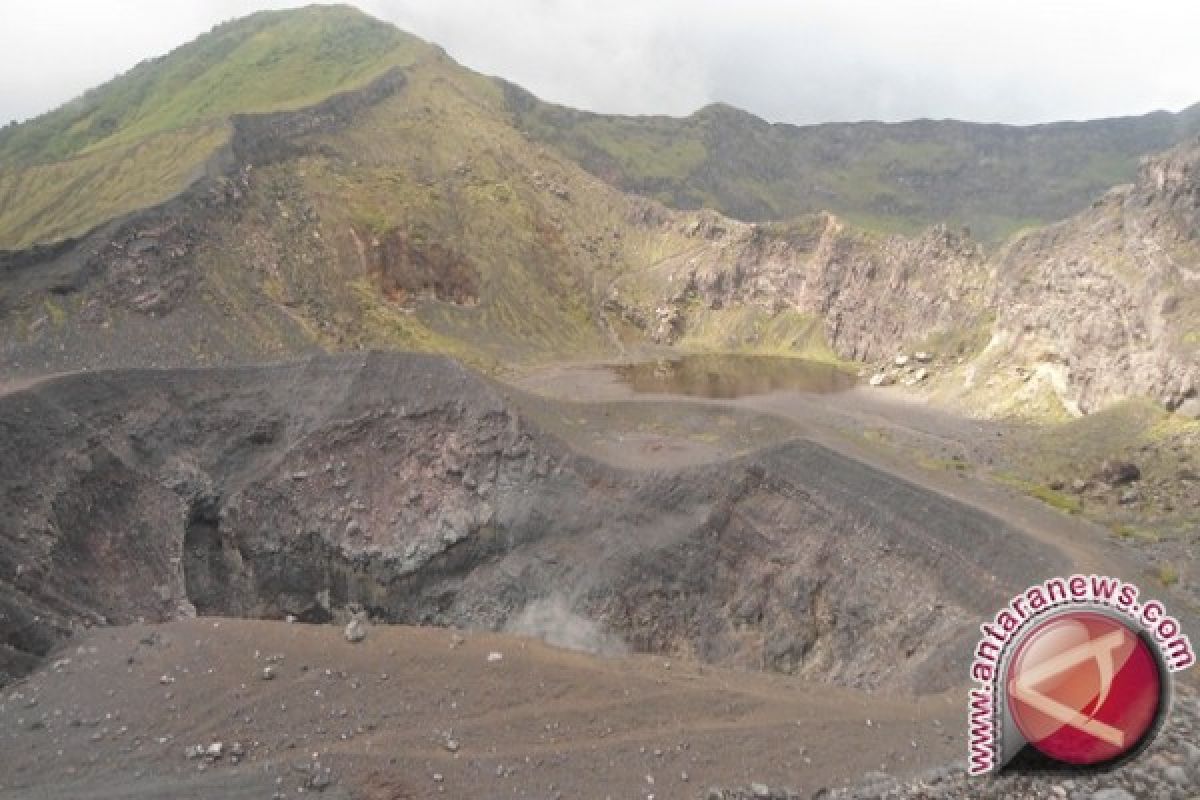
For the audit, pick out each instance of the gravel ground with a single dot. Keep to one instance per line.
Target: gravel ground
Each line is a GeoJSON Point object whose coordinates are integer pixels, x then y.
{"type": "Point", "coordinates": [1168, 770]}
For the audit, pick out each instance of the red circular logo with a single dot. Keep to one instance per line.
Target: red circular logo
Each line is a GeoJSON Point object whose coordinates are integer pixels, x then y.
{"type": "Point", "coordinates": [1083, 688]}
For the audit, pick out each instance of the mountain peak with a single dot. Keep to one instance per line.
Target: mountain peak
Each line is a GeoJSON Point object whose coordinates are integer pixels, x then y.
{"type": "Point", "coordinates": [267, 61]}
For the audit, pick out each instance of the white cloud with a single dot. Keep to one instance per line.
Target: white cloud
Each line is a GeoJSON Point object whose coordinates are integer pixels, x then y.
{"type": "Point", "coordinates": [806, 61]}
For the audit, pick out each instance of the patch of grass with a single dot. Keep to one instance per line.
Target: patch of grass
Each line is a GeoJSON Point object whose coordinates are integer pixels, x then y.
{"type": "Point", "coordinates": [1063, 501]}
{"type": "Point", "coordinates": [746, 329]}
{"type": "Point", "coordinates": [1060, 500]}
{"type": "Point", "coordinates": [141, 137]}
{"type": "Point", "coordinates": [941, 464]}
{"type": "Point", "coordinates": [48, 202]}
{"type": "Point", "coordinates": [1167, 575]}
{"type": "Point", "coordinates": [965, 342]}
{"type": "Point", "coordinates": [1124, 530]}
{"type": "Point", "coordinates": [56, 313]}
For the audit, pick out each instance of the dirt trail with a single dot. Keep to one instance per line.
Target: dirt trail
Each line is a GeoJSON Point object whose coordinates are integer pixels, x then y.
{"type": "Point", "coordinates": [390, 715]}
{"type": "Point", "coordinates": [837, 421]}
{"type": "Point", "coordinates": [10, 385]}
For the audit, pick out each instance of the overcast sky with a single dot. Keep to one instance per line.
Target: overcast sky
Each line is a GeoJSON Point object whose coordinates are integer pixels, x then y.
{"type": "Point", "coordinates": [801, 61]}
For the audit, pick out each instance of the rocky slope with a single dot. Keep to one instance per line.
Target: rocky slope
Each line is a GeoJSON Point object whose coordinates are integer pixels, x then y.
{"type": "Point", "coordinates": [1109, 300]}
{"type": "Point", "coordinates": [412, 488]}
{"type": "Point", "coordinates": [1170, 768]}
{"type": "Point", "coordinates": [410, 212]}
{"type": "Point", "coordinates": [1073, 317]}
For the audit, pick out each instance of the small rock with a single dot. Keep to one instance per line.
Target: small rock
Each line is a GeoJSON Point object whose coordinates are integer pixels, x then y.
{"type": "Point", "coordinates": [495, 656]}
{"type": "Point", "coordinates": [1176, 775]}
{"type": "Point", "coordinates": [1112, 794]}
{"type": "Point", "coordinates": [1189, 408]}
{"type": "Point", "coordinates": [356, 629]}
{"type": "Point", "coordinates": [268, 673]}
{"type": "Point", "coordinates": [1117, 473]}
{"type": "Point", "coordinates": [901, 360]}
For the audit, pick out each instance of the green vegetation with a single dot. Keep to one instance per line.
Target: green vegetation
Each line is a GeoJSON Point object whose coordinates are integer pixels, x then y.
{"type": "Point", "coordinates": [265, 62]}
{"type": "Point", "coordinates": [754, 330]}
{"type": "Point", "coordinates": [1067, 503]}
{"type": "Point", "coordinates": [48, 202]}
{"type": "Point", "coordinates": [1167, 575]}
{"type": "Point", "coordinates": [141, 137]}
{"type": "Point", "coordinates": [898, 178]}
{"type": "Point", "coordinates": [1126, 531]}
{"type": "Point", "coordinates": [1060, 500]}
{"type": "Point", "coordinates": [56, 313]}
{"type": "Point", "coordinates": [964, 342]}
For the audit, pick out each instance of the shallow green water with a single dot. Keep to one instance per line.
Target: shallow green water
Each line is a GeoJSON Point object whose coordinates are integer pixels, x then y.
{"type": "Point", "coordinates": [726, 376]}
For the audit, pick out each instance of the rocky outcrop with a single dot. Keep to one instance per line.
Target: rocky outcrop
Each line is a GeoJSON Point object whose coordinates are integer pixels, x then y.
{"type": "Point", "coordinates": [409, 487]}
{"type": "Point", "coordinates": [1109, 298]}
{"type": "Point", "coordinates": [1098, 308]}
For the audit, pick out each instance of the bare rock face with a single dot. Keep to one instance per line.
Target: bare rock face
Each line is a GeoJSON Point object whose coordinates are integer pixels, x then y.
{"type": "Point", "coordinates": [411, 490]}
{"type": "Point", "coordinates": [871, 292]}
{"type": "Point", "coordinates": [1110, 297]}
{"type": "Point", "coordinates": [1099, 307]}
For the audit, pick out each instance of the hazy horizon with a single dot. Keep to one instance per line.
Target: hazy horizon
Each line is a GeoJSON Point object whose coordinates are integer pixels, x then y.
{"type": "Point", "coordinates": [1023, 62]}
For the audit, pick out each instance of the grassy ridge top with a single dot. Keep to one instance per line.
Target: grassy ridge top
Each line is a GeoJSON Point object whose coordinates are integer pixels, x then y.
{"type": "Point", "coordinates": [897, 177]}
{"type": "Point", "coordinates": [140, 138]}
{"type": "Point", "coordinates": [265, 62]}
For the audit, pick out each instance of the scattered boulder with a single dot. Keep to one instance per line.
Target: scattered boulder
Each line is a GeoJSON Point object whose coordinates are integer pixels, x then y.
{"type": "Point", "coordinates": [1117, 473]}
{"type": "Point", "coordinates": [881, 379]}
{"type": "Point", "coordinates": [1189, 408]}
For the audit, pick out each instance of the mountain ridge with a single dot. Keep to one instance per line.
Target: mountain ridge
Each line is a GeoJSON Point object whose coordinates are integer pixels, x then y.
{"type": "Point", "coordinates": [894, 176]}
{"type": "Point", "coordinates": [413, 213]}
{"type": "Point", "coordinates": [138, 138]}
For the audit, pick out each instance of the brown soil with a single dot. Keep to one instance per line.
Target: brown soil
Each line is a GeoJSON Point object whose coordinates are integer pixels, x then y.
{"type": "Point", "coordinates": [113, 719]}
